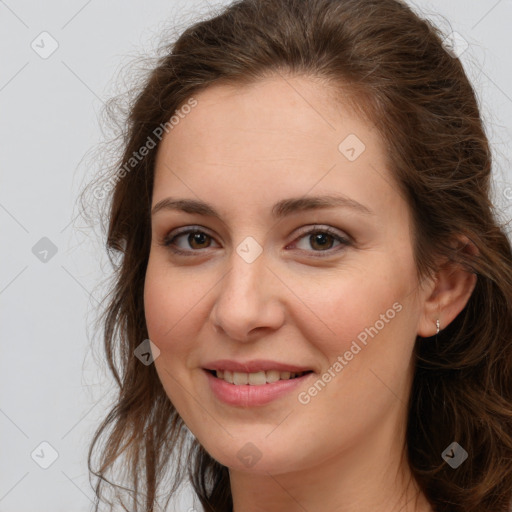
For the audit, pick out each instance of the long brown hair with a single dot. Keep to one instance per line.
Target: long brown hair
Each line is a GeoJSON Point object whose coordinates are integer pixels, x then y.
{"type": "Point", "coordinates": [418, 96]}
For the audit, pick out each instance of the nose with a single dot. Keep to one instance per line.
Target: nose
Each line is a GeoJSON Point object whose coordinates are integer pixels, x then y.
{"type": "Point", "coordinates": [248, 304]}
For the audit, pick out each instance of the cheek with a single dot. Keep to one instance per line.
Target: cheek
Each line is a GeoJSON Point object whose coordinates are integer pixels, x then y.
{"type": "Point", "coordinates": [158, 308]}
{"type": "Point", "coordinates": [168, 306]}
{"type": "Point", "coordinates": [169, 300]}
{"type": "Point", "coordinates": [342, 306]}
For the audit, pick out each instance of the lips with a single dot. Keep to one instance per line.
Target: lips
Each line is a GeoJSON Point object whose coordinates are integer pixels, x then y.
{"type": "Point", "coordinates": [254, 366]}
{"type": "Point", "coordinates": [249, 395]}
{"type": "Point", "coordinates": [256, 378]}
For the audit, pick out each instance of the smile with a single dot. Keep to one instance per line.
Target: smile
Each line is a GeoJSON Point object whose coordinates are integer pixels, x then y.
{"type": "Point", "coordinates": [257, 378]}
{"type": "Point", "coordinates": [253, 389]}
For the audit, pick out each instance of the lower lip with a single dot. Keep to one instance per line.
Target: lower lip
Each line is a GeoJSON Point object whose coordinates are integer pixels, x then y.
{"type": "Point", "coordinates": [246, 395]}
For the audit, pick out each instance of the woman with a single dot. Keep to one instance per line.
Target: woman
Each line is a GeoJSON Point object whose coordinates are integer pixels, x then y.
{"type": "Point", "coordinates": [303, 218]}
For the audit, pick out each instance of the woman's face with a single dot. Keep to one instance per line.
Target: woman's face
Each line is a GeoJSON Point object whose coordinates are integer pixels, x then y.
{"type": "Point", "coordinates": [273, 273]}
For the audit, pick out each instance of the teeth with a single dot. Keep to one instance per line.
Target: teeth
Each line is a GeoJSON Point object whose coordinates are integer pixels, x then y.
{"type": "Point", "coordinates": [256, 379]}
{"type": "Point", "coordinates": [240, 378]}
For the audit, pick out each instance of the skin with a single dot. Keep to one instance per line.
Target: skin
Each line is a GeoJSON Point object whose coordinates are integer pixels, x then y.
{"type": "Point", "coordinates": [242, 149]}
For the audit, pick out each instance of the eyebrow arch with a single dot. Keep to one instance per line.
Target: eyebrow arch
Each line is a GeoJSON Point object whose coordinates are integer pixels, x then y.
{"type": "Point", "coordinates": [281, 209]}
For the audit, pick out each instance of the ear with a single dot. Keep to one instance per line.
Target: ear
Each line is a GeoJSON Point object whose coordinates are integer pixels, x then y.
{"type": "Point", "coordinates": [453, 286]}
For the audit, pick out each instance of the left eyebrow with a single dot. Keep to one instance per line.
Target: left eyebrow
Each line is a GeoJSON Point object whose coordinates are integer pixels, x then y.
{"type": "Point", "coordinates": [281, 209]}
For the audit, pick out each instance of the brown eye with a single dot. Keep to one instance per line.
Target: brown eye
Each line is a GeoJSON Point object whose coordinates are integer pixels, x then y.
{"type": "Point", "coordinates": [322, 240]}
{"type": "Point", "coordinates": [187, 241]}
{"type": "Point", "coordinates": [196, 239]}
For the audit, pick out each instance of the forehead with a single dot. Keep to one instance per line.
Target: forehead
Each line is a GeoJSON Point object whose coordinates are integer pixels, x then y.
{"type": "Point", "coordinates": [279, 136]}
{"type": "Point", "coordinates": [277, 111]}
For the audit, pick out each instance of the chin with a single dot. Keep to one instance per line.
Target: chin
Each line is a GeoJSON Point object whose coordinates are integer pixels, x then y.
{"type": "Point", "coordinates": [257, 457]}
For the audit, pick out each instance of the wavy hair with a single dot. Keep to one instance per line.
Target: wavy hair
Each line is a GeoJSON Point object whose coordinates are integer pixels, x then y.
{"type": "Point", "coordinates": [418, 96]}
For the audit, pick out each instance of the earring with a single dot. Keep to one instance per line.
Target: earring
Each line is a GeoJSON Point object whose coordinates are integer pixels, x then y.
{"type": "Point", "coordinates": [437, 326]}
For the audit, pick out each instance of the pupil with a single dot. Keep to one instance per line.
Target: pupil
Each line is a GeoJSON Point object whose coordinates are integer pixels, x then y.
{"type": "Point", "coordinates": [197, 238]}
{"type": "Point", "coordinates": [320, 238]}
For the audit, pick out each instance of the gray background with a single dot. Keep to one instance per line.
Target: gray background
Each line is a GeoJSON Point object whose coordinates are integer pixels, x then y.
{"type": "Point", "coordinates": [53, 386]}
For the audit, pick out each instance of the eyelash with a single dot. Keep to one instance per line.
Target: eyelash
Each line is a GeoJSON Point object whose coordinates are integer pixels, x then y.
{"type": "Point", "coordinates": [168, 240]}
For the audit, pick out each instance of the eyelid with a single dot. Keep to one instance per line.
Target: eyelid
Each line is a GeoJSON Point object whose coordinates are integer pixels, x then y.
{"type": "Point", "coordinates": [344, 239]}
{"type": "Point", "coordinates": [166, 240]}
{"type": "Point", "coordinates": [312, 228]}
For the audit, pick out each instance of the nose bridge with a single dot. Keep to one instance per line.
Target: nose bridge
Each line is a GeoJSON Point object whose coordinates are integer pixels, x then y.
{"type": "Point", "coordinates": [243, 286]}
{"type": "Point", "coordinates": [244, 301]}
{"type": "Point", "coordinates": [247, 266]}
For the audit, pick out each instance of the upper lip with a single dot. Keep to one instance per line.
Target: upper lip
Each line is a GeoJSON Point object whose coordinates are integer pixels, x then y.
{"type": "Point", "coordinates": [253, 366]}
